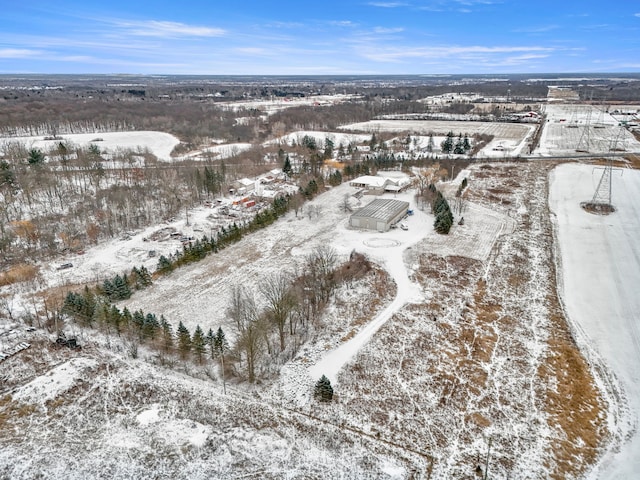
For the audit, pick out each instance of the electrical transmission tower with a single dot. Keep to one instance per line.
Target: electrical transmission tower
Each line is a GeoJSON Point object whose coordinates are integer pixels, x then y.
{"type": "Point", "coordinates": [585, 137]}
{"type": "Point", "coordinates": [602, 195]}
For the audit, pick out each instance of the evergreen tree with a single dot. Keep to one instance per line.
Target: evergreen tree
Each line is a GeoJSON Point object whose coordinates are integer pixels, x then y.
{"type": "Point", "coordinates": [184, 340]}
{"type": "Point", "coordinates": [138, 321]}
{"type": "Point", "coordinates": [221, 347]}
{"type": "Point", "coordinates": [323, 390]}
{"type": "Point", "coordinates": [287, 169]}
{"type": "Point", "coordinates": [447, 145]}
{"type": "Point", "coordinates": [151, 326]}
{"type": "Point", "coordinates": [88, 306]}
{"type": "Point", "coordinates": [108, 289]}
{"type": "Point", "coordinates": [121, 288]}
{"type": "Point", "coordinates": [127, 318]}
{"type": "Point", "coordinates": [198, 343]}
{"type": "Point", "coordinates": [116, 319]}
{"type": "Point", "coordinates": [459, 148]}
{"type": "Point", "coordinates": [7, 176]}
{"type": "Point", "coordinates": [466, 145]}
{"type": "Point", "coordinates": [210, 340]}
{"type": "Point", "coordinates": [328, 148]}
{"type": "Point", "coordinates": [167, 334]}
{"type": "Point", "coordinates": [164, 264]}
{"type": "Point", "coordinates": [36, 157]}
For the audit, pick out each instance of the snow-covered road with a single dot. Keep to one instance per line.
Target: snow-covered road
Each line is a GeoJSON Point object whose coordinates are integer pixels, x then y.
{"type": "Point", "coordinates": [474, 240]}
{"type": "Point", "coordinates": [600, 258]}
{"type": "Point", "coordinates": [331, 364]}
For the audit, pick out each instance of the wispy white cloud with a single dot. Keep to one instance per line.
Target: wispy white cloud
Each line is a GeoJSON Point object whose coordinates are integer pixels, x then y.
{"type": "Point", "coordinates": [343, 23]}
{"type": "Point", "coordinates": [389, 4]}
{"type": "Point", "coordinates": [18, 53]}
{"type": "Point", "coordinates": [387, 30]}
{"type": "Point", "coordinates": [537, 29]}
{"type": "Point", "coordinates": [462, 6]}
{"type": "Point", "coordinates": [156, 28]}
{"type": "Point", "coordinates": [636, 14]}
{"type": "Point", "coordinates": [395, 55]}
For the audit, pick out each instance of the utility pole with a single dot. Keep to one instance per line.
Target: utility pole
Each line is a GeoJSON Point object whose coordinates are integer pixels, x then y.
{"type": "Point", "coordinates": [486, 466]}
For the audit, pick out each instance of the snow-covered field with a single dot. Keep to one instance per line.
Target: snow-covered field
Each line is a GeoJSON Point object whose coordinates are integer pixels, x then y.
{"type": "Point", "coordinates": [277, 104]}
{"type": "Point", "coordinates": [511, 131]}
{"type": "Point", "coordinates": [447, 357]}
{"type": "Point", "coordinates": [600, 278]}
{"type": "Point", "coordinates": [159, 143]}
{"type": "Point", "coordinates": [510, 138]}
{"type": "Point", "coordinates": [338, 138]}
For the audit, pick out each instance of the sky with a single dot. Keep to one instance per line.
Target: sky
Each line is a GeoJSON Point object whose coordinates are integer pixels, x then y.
{"type": "Point", "coordinates": [329, 37]}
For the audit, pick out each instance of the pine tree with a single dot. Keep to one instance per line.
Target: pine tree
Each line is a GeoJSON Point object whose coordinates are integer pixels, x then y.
{"type": "Point", "coordinates": [167, 334]}
{"type": "Point", "coordinates": [459, 148]}
{"type": "Point", "coordinates": [36, 157]}
{"type": "Point", "coordinates": [286, 168]}
{"type": "Point", "coordinates": [210, 340]}
{"type": "Point", "coordinates": [151, 326]}
{"type": "Point", "coordinates": [447, 145]}
{"type": "Point", "coordinates": [108, 289]}
{"type": "Point", "coordinates": [121, 290]}
{"type": "Point", "coordinates": [466, 145]}
{"type": "Point", "coordinates": [184, 340]}
{"type": "Point", "coordinates": [138, 321]}
{"type": "Point", "coordinates": [323, 390]}
{"type": "Point", "coordinates": [164, 264]}
{"type": "Point", "coordinates": [198, 343]}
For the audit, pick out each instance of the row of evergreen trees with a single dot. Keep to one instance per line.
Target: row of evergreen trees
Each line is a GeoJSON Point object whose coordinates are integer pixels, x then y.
{"type": "Point", "coordinates": [90, 309]}
{"type": "Point", "coordinates": [441, 210]}
{"type": "Point", "coordinates": [93, 307]}
{"type": "Point", "coordinates": [460, 147]}
{"type": "Point", "coordinates": [198, 249]}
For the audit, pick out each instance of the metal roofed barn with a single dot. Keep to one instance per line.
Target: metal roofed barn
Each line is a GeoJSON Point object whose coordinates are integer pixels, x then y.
{"type": "Point", "coordinates": [379, 215]}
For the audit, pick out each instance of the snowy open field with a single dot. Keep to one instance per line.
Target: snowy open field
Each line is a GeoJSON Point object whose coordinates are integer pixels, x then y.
{"type": "Point", "coordinates": [277, 104]}
{"type": "Point", "coordinates": [159, 143]}
{"type": "Point", "coordinates": [600, 279]}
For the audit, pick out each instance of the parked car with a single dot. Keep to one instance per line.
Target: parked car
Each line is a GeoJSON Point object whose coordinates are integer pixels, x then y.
{"type": "Point", "coordinates": [64, 266]}
{"type": "Point", "coordinates": [404, 226]}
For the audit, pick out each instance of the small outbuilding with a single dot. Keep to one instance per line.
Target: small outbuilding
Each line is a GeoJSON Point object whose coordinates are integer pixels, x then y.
{"type": "Point", "coordinates": [379, 215]}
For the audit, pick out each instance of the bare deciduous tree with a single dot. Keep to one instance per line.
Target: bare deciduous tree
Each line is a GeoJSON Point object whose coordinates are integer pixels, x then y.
{"type": "Point", "coordinates": [281, 302]}
{"type": "Point", "coordinates": [244, 314]}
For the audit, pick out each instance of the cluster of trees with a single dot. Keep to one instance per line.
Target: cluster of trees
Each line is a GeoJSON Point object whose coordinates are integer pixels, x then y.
{"type": "Point", "coordinates": [92, 309]}
{"type": "Point", "coordinates": [293, 303]}
{"type": "Point", "coordinates": [95, 310]}
{"type": "Point", "coordinates": [460, 147]}
{"type": "Point", "coordinates": [120, 287]}
{"type": "Point", "coordinates": [440, 208]}
{"type": "Point", "coordinates": [196, 250]}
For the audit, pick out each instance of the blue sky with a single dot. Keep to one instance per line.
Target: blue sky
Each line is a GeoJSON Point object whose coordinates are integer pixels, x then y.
{"type": "Point", "coordinates": [329, 37]}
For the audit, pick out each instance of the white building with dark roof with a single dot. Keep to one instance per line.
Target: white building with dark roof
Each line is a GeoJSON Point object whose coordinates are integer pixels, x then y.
{"type": "Point", "coordinates": [379, 215]}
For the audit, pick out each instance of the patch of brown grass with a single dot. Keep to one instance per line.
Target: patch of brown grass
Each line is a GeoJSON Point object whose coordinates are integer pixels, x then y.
{"type": "Point", "coordinates": [574, 405]}
{"type": "Point", "coordinates": [22, 272]}
{"type": "Point", "coordinates": [634, 160]}
{"type": "Point", "coordinates": [478, 419]}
